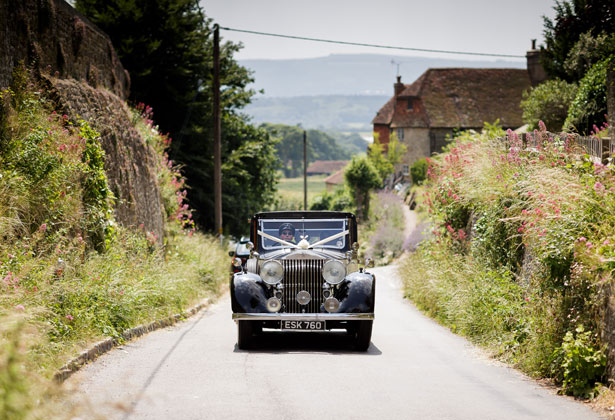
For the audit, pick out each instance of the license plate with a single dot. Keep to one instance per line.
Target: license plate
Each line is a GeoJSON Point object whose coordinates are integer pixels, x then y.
{"type": "Point", "coordinates": [304, 325]}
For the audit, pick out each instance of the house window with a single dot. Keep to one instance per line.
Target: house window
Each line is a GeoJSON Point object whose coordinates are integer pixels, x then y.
{"type": "Point", "coordinates": [406, 170]}
{"type": "Point", "coordinates": [411, 104]}
{"type": "Point", "coordinates": [400, 134]}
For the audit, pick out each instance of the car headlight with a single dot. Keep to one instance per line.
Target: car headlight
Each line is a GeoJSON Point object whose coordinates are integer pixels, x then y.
{"type": "Point", "coordinates": [333, 271]}
{"type": "Point", "coordinates": [272, 272]}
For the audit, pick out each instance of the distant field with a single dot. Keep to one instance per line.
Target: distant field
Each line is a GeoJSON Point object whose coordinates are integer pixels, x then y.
{"type": "Point", "coordinates": [291, 189]}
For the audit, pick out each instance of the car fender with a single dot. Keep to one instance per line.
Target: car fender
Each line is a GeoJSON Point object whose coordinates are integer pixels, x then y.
{"type": "Point", "coordinates": [248, 293]}
{"type": "Point", "coordinates": [358, 293]}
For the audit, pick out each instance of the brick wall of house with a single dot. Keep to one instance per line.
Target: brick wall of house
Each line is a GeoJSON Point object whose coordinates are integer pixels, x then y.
{"type": "Point", "coordinates": [383, 133]}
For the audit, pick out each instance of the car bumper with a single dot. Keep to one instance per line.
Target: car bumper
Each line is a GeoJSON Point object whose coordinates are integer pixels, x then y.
{"type": "Point", "coordinates": [302, 317]}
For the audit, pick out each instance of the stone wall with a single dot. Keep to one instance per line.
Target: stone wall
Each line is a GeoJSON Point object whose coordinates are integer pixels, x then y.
{"type": "Point", "coordinates": [84, 77]}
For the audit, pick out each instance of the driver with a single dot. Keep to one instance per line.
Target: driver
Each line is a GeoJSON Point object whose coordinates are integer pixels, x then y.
{"type": "Point", "coordinates": [287, 232]}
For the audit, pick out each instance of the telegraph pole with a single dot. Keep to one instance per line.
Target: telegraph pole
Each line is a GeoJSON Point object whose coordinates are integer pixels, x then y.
{"type": "Point", "coordinates": [304, 170]}
{"type": "Point", "coordinates": [217, 134]}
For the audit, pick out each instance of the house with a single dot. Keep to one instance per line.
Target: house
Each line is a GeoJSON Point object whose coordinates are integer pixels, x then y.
{"type": "Point", "coordinates": [332, 181]}
{"type": "Point", "coordinates": [325, 167]}
{"type": "Point", "coordinates": [440, 101]}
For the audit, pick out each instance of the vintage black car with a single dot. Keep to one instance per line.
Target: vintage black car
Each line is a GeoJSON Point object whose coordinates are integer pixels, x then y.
{"type": "Point", "coordinates": [303, 274]}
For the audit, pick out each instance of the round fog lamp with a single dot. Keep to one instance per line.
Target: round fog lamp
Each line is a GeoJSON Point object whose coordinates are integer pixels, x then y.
{"type": "Point", "coordinates": [273, 304]}
{"type": "Point", "coordinates": [303, 297]}
{"type": "Point", "coordinates": [332, 304]}
{"type": "Point", "coordinates": [333, 271]}
{"type": "Point", "coordinates": [272, 272]}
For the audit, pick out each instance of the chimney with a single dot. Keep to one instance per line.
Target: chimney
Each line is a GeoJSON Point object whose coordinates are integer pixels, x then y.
{"type": "Point", "coordinates": [534, 66]}
{"type": "Point", "coordinates": [399, 86]}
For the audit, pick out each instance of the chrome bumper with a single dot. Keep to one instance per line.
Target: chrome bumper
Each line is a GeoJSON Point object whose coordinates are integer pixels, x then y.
{"type": "Point", "coordinates": [302, 317]}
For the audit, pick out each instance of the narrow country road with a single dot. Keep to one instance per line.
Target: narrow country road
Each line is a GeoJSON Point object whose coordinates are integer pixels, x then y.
{"type": "Point", "coordinates": [414, 369]}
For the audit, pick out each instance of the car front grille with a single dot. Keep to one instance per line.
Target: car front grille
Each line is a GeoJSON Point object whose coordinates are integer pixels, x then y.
{"type": "Point", "coordinates": [302, 275]}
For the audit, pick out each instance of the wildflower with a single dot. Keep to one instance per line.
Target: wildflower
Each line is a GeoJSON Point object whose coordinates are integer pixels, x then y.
{"type": "Point", "coordinates": [542, 126]}
{"type": "Point", "coordinates": [606, 242]}
{"type": "Point", "coordinates": [20, 307]}
{"type": "Point", "coordinates": [582, 239]}
{"type": "Point", "coordinates": [43, 227]}
{"type": "Point", "coordinates": [69, 317]}
{"type": "Point", "coordinates": [598, 187]}
{"type": "Point", "coordinates": [589, 245]}
{"type": "Point", "coordinates": [521, 229]}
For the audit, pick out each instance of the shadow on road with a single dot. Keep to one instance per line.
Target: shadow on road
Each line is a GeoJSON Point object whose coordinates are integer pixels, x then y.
{"type": "Point", "coordinates": [277, 342]}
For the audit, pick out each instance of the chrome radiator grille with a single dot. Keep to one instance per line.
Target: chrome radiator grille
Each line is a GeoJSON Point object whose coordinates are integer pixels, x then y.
{"type": "Point", "coordinates": [302, 275]}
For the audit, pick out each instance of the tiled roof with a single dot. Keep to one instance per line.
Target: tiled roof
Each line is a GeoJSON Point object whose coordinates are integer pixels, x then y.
{"type": "Point", "coordinates": [326, 166]}
{"type": "Point", "coordinates": [335, 179]}
{"type": "Point", "coordinates": [459, 97]}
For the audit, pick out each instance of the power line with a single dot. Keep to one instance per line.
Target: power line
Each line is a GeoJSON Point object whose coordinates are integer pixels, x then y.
{"type": "Point", "coordinates": [330, 41]}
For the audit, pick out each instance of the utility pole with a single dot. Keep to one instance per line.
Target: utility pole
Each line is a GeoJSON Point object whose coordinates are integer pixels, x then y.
{"type": "Point", "coordinates": [304, 170]}
{"type": "Point", "coordinates": [217, 134]}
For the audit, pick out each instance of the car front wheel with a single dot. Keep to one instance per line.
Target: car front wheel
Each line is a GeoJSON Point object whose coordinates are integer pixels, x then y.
{"type": "Point", "coordinates": [245, 330]}
{"type": "Point", "coordinates": [363, 334]}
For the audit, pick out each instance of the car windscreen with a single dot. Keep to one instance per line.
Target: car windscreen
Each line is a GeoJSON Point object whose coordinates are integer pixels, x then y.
{"type": "Point", "coordinates": [315, 231]}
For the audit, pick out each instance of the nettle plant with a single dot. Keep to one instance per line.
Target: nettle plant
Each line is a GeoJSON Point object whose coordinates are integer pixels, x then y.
{"type": "Point", "coordinates": [538, 206]}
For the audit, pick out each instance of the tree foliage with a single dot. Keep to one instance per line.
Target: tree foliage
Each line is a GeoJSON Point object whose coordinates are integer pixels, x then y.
{"type": "Point", "coordinates": [574, 18]}
{"type": "Point", "coordinates": [548, 102]}
{"type": "Point", "coordinates": [361, 177]}
{"type": "Point", "coordinates": [589, 107]}
{"type": "Point", "coordinates": [167, 47]}
{"type": "Point", "coordinates": [289, 148]}
{"type": "Point", "coordinates": [385, 157]}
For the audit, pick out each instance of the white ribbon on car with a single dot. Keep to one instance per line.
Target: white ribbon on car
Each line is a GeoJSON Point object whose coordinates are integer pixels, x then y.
{"type": "Point", "coordinates": [303, 244]}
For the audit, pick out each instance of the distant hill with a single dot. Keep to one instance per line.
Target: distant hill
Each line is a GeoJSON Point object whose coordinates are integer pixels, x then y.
{"type": "Point", "coordinates": [349, 74]}
{"type": "Point", "coordinates": [339, 92]}
{"type": "Point", "coordinates": [323, 112]}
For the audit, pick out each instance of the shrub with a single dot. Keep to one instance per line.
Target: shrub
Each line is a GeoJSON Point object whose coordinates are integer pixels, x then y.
{"type": "Point", "coordinates": [548, 102]}
{"type": "Point", "coordinates": [418, 171]}
{"type": "Point", "coordinates": [582, 363]}
{"type": "Point", "coordinates": [589, 107]}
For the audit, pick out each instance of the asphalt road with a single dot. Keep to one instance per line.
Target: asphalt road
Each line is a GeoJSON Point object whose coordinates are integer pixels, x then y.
{"type": "Point", "coordinates": [414, 369]}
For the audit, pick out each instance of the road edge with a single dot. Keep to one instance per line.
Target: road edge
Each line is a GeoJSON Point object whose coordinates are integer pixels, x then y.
{"type": "Point", "coordinates": [106, 345]}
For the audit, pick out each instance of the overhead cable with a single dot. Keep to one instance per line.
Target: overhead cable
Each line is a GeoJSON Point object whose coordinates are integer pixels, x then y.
{"type": "Point", "coordinates": [370, 45]}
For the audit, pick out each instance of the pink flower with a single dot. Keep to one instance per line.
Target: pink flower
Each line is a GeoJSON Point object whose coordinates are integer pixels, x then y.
{"type": "Point", "coordinates": [606, 242]}
{"type": "Point", "coordinates": [582, 239]}
{"type": "Point", "coordinates": [520, 230]}
{"type": "Point", "coordinates": [43, 227]}
{"type": "Point", "coordinates": [542, 126]}
{"type": "Point", "coordinates": [589, 245]}
{"type": "Point", "coordinates": [20, 307]}
{"type": "Point", "coordinates": [598, 187]}
{"type": "Point", "coordinates": [69, 317]}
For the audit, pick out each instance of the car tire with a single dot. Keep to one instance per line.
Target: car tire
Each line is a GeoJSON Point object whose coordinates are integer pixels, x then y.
{"type": "Point", "coordinates": [245, 330]}
{"type": "Point", "coordinates": [363, 335]}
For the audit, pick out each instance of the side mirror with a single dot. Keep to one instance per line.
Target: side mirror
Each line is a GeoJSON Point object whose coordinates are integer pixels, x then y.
{"type": "Point", "coordinates": [250, 246]}
{"type": "Point", "coordinates": [231, 253]}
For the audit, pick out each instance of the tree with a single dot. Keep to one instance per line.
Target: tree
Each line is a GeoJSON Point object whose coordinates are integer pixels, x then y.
{"type": "Point", "coordinates": [548, 102]}
{"type": "Point", "coordinates": [166, 46]}
{"type": "Point", "coordinates": [385, 160]}
{"type": "Point", "coordinates": [320, 146]}
{"type": "Point", "coordinates": [589, 107]}
{"type": "Point", "coordinates": [574, 18]}
{"type": "Point", "coordinates": [361, 177]}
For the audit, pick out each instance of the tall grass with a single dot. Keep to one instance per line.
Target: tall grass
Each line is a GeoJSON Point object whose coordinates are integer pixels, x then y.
{"type": "Point", "coordinates": [522, 252]}
{"type": "Point", "coordinates": [382, 234]}
{"type": "Point", "coordinates": [68, 273]}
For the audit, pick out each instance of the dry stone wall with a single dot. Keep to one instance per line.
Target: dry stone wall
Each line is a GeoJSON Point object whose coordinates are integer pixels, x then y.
{"type": "Point", "coordinates": [85, 78]}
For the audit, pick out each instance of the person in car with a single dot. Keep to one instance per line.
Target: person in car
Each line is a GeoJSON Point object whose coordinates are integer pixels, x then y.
{"type": "Point", "coordinates": [287, 232]}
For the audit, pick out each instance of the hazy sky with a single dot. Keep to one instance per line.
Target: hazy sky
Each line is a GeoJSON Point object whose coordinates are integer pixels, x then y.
{"type": "Point", "coordinates": [487, 26]}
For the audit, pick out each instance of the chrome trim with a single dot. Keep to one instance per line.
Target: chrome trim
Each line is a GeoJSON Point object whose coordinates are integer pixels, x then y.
{"type": "Point", "coordinates": [302, 275]}
{"type": "Point", "coordinates": [303, 317]}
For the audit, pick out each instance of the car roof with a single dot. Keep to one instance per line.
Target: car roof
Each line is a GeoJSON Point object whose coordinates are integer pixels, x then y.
{"type": "Point", "coordinates": [307, 214]}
